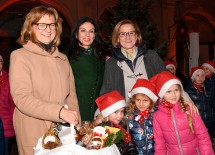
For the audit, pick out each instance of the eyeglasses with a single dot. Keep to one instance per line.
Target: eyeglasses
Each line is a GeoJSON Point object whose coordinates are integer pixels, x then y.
{"type": "Point", "coordinates": [124, 34]}
{"type": "Point", "coordinates": [43, 26]}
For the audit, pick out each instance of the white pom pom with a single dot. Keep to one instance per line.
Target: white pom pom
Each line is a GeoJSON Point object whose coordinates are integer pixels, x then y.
{"type": "Point", "coordinates": [129, 95]}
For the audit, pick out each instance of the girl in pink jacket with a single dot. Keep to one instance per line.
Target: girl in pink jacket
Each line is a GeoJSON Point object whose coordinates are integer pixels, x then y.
{"type": "Point", "coordinates": [176, 131]}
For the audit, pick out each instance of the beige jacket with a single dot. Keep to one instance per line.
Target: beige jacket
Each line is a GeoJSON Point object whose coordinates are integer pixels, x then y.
{"type": "Point", "coordinates": [40, 84]}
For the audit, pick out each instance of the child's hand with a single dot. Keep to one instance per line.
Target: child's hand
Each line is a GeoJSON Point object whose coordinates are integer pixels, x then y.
{"type": "Point", "coordinates": [193, 108]}
{"type": "Point", "coordinates": [99, 119]}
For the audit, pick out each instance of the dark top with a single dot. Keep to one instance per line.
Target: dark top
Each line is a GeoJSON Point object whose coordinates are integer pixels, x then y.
{"type": "Point", "coordinates": [88, 73]}
{"type": "Point", "coordinates": [113, 76]}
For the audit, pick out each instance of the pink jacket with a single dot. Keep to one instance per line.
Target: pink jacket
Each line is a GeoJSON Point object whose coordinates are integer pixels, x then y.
{"type": "Point", "coordinates": [6, 105]}
{"type": "Point", "coordinates": [172, 135]}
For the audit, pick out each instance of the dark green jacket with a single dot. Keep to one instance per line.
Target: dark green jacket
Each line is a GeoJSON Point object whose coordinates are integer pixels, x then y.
{"type": "Point", "coordinates": [88, 73]}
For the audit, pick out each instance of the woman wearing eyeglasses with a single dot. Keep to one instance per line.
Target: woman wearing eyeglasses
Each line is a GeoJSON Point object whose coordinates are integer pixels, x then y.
{"type": "Point", "coordinates": [87, 63]}
{"type": "Point", "coordinates": [131, 59]}
{"type": "Point", "coordinates": [41, 79]}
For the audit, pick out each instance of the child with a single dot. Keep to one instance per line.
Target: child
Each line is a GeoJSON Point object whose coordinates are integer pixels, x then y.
{"type": "Point", "coordinates": [209, 69]}
{"type": "Point", "coordinates": [112, 107]}
{"type": "Point", "coordinates": [140, 113]}
{"type": "Point", "coordinates": [6, 112]}
{"type": "Point", "coordinates": [172, 68]}
{"type": "Point", "coordinates": [176, 131]}
{"type": "Point", "coordinates": [201, 96]}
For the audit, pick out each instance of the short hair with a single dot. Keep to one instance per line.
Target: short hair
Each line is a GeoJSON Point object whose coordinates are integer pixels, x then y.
{"type": "Point", "coordinates": [115, 34]}
{"type": "Point", "coordinates": [33, 17]}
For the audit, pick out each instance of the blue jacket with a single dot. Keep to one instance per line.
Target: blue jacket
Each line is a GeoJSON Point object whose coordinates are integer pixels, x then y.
{"type": "Point", "coordinates": [142, 134]}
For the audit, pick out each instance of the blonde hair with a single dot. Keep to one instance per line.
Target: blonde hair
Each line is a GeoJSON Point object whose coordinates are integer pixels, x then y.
{"type": "Point", "coordinates": [132, 106]}
{"type": "Point", "coordinates": [184, 108]}
{"type": "Point", "coordinates": [33, 17]}
{"type": "Point", "coordinates": [189, 118]}
{"type": "Point", "coordinates": [115, 34]}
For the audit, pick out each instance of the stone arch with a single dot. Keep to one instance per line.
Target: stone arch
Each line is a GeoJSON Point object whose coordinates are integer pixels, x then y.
{"type": "Point", "coordinates": [12, 14]}
{"type": "Point", "coordinates": [205, 26]}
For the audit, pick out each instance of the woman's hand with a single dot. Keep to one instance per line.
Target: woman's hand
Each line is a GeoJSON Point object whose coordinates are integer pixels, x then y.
{"type": "Point", "coordinates": [69, 116]}
{"type": "Point", "coordinates": [193, 108]}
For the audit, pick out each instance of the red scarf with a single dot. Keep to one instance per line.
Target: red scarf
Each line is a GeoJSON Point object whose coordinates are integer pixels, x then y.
{"type": "Point", "coordinates": [198, 87]}
{"type": "Point", "coordinates": [127, 136]}
{"type": "Point", "coordinates": [168, 106]}
{"type": "Point", "coordinates": [209, 76]}
{"type": "Point", "coordinates": [143, 115]}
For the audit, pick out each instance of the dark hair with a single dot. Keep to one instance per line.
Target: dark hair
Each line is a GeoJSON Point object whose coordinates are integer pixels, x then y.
{"type": "Point", "coordinates": [97, 44]}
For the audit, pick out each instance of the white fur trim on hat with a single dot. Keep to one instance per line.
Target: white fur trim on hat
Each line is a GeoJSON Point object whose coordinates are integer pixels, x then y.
{"type": "Point", "coordinates": [114, 107]}
{"type": "Point", "coordinates": [146, 91]}
{"type": "Point", "coordinates": [209, 66]}
{"type": "Point", "coordinates": [196, 72]}
{"type": "Point", "coordinates": [97, 112]}
{"type": "Point", "coordinates": [170, 65]}
{"type": "Point", "coordinates": [167, 85]}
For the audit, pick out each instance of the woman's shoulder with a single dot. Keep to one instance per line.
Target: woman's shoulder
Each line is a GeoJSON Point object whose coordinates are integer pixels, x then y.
{"type": "Point", "coordinates": [151, 53]}
{"type": "Point", "coordinates": [111, 62]}
{"type": "Point", "coordinates": [20, 52]}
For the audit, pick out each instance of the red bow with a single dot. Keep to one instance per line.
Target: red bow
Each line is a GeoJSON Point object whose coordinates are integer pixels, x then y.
{"type": "Point", "coordinates": [142, 115]}
{"type": "Point", "coordinates": [127, 136]}
{"type": "Point", "coordinates": [168, 106]}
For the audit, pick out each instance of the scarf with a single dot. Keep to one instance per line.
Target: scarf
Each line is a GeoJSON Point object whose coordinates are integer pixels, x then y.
{"type": "Point", "coordinates": [198, 87]}
{"type": "Point", "coordinates": [142, 115]}
{"type": "Point", "coordinates": [127, 136]}
{"type": "Point", "coordinates": [168, 106]}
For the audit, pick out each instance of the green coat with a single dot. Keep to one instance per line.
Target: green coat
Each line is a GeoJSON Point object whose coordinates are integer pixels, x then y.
{"type": "Point", "coordinates": [88, 73]}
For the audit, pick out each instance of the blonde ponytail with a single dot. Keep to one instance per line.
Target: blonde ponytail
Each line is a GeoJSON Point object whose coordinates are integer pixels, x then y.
{"type": "Point", "coordinates": [184, 108]}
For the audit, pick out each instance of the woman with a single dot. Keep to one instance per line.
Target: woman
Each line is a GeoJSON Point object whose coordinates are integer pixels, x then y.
{"type": "Point", "coordinates": [6, 111]}
{"type": "Point", "coordinates": [41, 79]}
{"type": "Point", "coordinates": [85, 57]}
{"type": "Point", "coordinates": [130, 59]}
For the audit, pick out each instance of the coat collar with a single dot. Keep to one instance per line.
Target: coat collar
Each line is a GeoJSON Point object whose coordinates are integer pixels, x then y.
{"type": "Point", "coordinates": [118, 55]}
{"type": "Point", "coordinates": [32, 47]}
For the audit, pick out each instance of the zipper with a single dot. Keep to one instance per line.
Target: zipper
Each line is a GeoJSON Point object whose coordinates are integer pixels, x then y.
{"type": "Point", "coordinates": [146, 137]}
{"type": "Point", "coordinates": [176, 132]}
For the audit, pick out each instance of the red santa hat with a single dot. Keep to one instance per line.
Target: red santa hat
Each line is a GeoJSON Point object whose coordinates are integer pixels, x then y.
{"type": "Point", "coordinates": [145, 87]}
{"type": "Point", "coordinates": [163, 81]}
{"type": "Point", "coordinates": [209, 64]}
{"type": "Point", "coordinates": [194, 72]}
{"type": "Point", "coordinates": [169, 64]}
{"type": "Point", "coordinates": [110, 102]}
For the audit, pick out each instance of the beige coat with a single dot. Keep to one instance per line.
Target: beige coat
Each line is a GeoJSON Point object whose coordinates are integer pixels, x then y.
{"type": "Point", "coordinates": [40, 84]}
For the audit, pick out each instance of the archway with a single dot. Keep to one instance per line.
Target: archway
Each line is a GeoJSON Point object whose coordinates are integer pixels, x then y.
{"type": "Point", "coordinates": [194, 21]}
{"type": "Point", "coordinates": [11, 20]}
